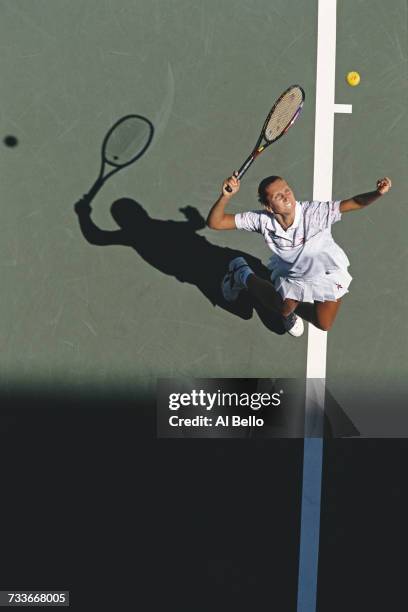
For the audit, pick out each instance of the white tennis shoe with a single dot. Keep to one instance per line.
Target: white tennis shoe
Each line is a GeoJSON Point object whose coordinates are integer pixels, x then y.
{"type": "Point", "coordinates": [232, 283]}
{"type": "Point", "coordinates": [293, 325]}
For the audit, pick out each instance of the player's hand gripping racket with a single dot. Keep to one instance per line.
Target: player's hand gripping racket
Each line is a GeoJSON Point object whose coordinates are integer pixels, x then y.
{"type": "Point", "coordinates": [124, 143]}
{"type": "Point", "coordinates": [283, 115]}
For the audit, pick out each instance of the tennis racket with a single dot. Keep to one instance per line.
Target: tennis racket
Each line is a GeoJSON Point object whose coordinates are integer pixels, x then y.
{"type": "Point", "coordinates": [124, 143]}
{"type": "Point", "coordinates": [282, 116]}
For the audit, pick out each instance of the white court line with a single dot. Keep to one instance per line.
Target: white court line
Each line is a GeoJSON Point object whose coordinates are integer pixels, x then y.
{"type": "Point", "coordinates": [343, 108]}
{"type": "Point", "coordinates": [317, 339]}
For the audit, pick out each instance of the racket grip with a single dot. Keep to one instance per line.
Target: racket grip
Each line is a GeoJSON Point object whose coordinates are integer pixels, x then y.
{"type": "Point", "coordinates": [94, 189]}
{"type": "Point", "coordinates": [243, 168]}
{"type": "Point", "coordinates": [237, 176]}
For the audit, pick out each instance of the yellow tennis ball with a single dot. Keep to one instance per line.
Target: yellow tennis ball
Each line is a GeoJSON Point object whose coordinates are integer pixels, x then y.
{"type": "Point", "coordinates": [353, 78]}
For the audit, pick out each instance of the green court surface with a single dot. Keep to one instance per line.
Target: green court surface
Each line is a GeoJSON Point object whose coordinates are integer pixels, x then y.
{"type": "Point", "coordinates": [202, 73]}
{"type": "Point", "coordinates": [205, 74]}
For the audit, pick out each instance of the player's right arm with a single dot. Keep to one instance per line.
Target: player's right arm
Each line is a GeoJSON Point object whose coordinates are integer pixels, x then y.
{"type": "Point", "coordinates": [92, 233]}
{"type": "Point", "coordinates": [217, 218]}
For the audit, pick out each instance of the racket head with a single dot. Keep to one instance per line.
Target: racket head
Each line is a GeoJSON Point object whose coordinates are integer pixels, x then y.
{"type": "Point", "coordinates": [127, 140]}
{"type": "Point", "coordinates": [283, 114]}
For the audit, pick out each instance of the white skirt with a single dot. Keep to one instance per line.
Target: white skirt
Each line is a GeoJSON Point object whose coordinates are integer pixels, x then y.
{"type": "Point", "coordinates": [326, 288]}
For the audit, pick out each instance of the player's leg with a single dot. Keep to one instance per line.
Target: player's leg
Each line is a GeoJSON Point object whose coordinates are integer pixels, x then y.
{"type": "Point", "coordinates": [267, 295]}
{"type": "Point", "coordinates": [289, 306]}
{"type": "Point", "coordinates": [320, 314]}
{"type": "Point", "coordinates": [240, 276]}
{"type": "Point", "coordinates": [326, 313]}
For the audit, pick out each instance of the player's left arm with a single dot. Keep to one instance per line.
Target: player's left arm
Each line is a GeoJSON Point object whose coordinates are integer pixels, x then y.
{"type": "Point", "coordinates": [364, 199]}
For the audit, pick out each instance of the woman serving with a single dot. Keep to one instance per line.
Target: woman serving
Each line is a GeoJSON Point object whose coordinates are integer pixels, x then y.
{"type": "Point", "coordinates": [307, 266]}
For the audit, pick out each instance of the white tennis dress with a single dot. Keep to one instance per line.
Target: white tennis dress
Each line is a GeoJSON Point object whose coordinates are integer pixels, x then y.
{"type": "Point", "coordinates": [307, 265]}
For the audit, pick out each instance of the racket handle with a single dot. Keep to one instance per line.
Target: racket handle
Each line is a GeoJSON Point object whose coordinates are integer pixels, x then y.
{"type": "Point", "coordinates": [242, 170]}
{"type": "Point", "coordinates": [237, 176]}
{"type": "Point", "coordinates": [95, 188]}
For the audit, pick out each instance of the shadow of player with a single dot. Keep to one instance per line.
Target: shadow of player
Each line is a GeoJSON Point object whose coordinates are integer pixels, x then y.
{"type": "Point", "coordinates": [174, 248]}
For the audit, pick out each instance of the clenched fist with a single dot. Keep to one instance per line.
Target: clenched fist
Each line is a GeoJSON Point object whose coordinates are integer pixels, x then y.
{"type": "Point", "coordinates": [384, 185]}
{"type": "Point", "coordinates": [231, 182]}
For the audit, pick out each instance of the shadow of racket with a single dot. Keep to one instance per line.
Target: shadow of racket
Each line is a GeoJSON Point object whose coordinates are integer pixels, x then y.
{"type": "Point", "coordinates": [125, 142]}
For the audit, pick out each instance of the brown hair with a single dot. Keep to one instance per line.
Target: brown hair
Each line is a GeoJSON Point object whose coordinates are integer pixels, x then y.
{"type": "Point", "coordinates": [263, 185]}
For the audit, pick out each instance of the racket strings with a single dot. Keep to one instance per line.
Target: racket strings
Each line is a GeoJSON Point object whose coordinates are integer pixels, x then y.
{"type": "Point", "coordinates": [126, 140]}
{"type": "Point", "coordinates": [283, 113]}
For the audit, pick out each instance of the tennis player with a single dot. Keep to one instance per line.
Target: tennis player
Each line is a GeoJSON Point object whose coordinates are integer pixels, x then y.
{"type": "Point", "coordinates": [307, 267]}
